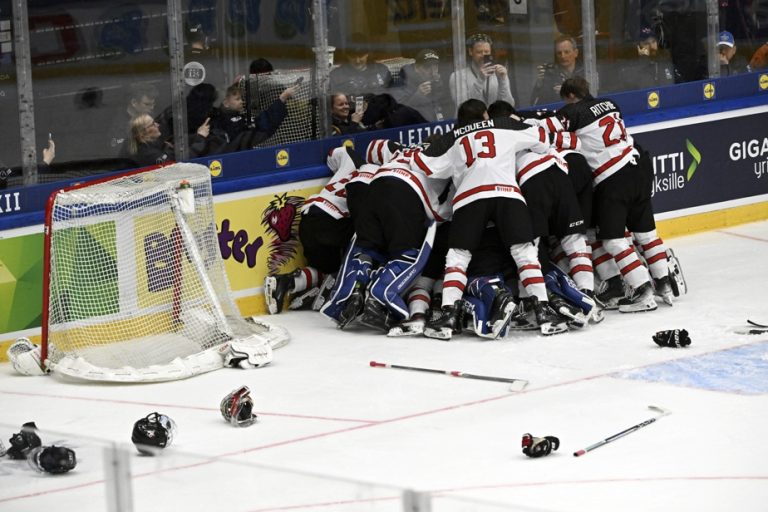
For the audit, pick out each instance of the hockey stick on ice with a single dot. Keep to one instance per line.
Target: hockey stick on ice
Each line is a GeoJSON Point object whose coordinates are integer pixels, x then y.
{"type": "Point", "coordinates": [516, 384]}
{"type": "Point", "coordinates": [752, 322]}
{"type": "Point", "coordinates": [663, 412]}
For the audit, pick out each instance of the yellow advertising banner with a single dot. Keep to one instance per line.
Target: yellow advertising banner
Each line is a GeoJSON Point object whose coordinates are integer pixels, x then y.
{"type": "Point", "coordinates": [258, 236]}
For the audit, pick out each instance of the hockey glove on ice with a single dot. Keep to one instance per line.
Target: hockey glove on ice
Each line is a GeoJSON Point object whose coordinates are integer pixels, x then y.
{"type": "Point", "coordinates": [22, 442]}
{"type": "Point", "coordinates": [539, 446]}
{"type": "Point", "coordinates": [673, 338]}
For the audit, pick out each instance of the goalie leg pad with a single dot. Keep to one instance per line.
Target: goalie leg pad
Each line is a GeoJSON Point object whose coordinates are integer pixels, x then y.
{"type": "Point", "coordinates": [25, 357]}
{"type": "Point", "coordinates": [399, 273]}
{"type": "Point", "coordinates": [355, 273]}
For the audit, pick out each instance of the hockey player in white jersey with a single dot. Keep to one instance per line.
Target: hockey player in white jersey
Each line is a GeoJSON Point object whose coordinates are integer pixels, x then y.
{"type": "Point", "coordinates": [479, 155]}
{"type": "Point", "coordinates": [325, 230]}
{"type": "Point", "coordinates": [622, 194]}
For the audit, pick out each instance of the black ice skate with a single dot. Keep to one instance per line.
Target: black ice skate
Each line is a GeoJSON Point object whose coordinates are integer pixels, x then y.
{"type": "Point", "coordinates": [612, 292]}
{"type": "Point", "coordinates": [501, 313]}
{"type": "Point", "coordinates": [353, 308]}
{"type": "Point", "coordinates": [549, 322]}
{"type": "Point", "coordinates": [639, 301]}
{"type": "Point", "coordinates": [573, 315]}
{"type": "Point", "coordinates": [376, 315]}
{"type": "Point", "coordinates": [445, 323]}
{"type": "Point", "coordinates": [326, 287]}
{"type": "Point", "coordinates": [276, 288]}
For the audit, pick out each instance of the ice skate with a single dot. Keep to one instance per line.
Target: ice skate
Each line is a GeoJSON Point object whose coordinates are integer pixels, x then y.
{"type": "Point", "coordinates": [445, 323]}
{"type": "Point", "coordinates": [501, 313]}
{"type": "Point", "coordinates": [276, 288]}
{"type": "Point", "coordinates": [414, 326]}
{"type": "Point", "coordinates": [323, 292]}
{"type": "Point", "coordinates": [639, 301]}
{"type": "Point", "coordinates": [663, 289]}
{"type": "Point", "coordinates": [549, 322]}
{"type": "Point", "coordinates": [613, 291]}
{"type": "Point", "coordinates": [353, 308]}
{"type": "Point", "coordinates": [376, 315]}
{"type": "Point", "coordinates": [570, 313]}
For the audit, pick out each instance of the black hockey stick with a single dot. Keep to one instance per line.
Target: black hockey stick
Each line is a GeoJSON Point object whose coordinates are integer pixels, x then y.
{"type": "Point", "coordinates": [751, 322]}
{"type": "Point", "coordinates": [623, 433]}
{"type": "Point", "coordinates": [516, 384]}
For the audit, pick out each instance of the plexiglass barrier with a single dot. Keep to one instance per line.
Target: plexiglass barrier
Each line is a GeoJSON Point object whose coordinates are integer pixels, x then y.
{"type": "Point", "coordinates": [115, 477]}
{"type": "Point", "coordinates": [76, 78]}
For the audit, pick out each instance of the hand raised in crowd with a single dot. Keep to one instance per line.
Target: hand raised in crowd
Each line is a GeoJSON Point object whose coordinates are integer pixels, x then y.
{"type": "Point", "coordinates": [357, 117]}
{"type": "Point", "coordinates": [205, 129]}
{"type": "Point", "coordinates": [289, 92]}
{"type": "Point", "coordinates": [425, 88]}
{"type": "Point", "coordinates": [488, 69]}
{"type": "Point", "coordinates": [49, 153]}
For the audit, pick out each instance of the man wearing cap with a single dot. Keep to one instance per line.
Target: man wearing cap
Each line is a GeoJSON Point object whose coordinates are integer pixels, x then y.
{"type": "Point", "coordinates": [422, 88]}
{"type": "Point", "coordinates": [357, 76]}
{"type": "Point", "coordinates": [651, 68]}
{"type": "Point", "coordinates": [731, 63]}
{"type": "Point", "coordinates": [552, 75]}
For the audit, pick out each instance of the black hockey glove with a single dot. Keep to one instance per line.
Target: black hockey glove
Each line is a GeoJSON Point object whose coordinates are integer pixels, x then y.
{"type": "Point", "coordinates": [539, 446]}
{"type": "Point", "coordinates": [673, 338]}
{"type": "Point", "coordinates": [22, 442]}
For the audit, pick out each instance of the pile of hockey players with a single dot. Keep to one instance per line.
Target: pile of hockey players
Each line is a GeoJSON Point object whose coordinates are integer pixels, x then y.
{"type": "Point", "coordinates": [511, 221]}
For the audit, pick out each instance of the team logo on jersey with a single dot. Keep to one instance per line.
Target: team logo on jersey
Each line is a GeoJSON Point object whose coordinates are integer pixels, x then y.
{"type": "Point", "coordinates": [281, 220]}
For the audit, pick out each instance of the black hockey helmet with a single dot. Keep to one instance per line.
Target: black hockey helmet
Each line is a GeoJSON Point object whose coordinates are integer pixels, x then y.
{"type": "Point", "coordinates": [153, 433]}
{"type": "Point", "coordinates": [52, 459]}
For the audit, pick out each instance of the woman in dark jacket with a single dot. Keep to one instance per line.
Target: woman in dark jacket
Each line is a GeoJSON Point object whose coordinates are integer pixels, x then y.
{"type": "Point", "coordinates": [341, 120]}
{"type": "Point", "coordinates": [146, 146]}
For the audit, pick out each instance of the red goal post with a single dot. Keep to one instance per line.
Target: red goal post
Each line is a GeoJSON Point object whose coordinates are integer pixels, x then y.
{"type": "Point", "coordinates": [134, 284]}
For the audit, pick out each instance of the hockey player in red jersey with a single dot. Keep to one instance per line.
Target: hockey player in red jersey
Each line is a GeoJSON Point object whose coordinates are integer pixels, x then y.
{"type": "Point", "coordinates": [622, 196]}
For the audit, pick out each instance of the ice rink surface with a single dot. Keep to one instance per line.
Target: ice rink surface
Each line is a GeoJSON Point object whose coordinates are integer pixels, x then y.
{"type": "Point", "coordinates": [327, 420]}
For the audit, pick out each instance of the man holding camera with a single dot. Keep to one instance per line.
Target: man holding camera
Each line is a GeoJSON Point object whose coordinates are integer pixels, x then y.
{"type": "Point", "coordinates": [482, 79]}
{"type": "Point", "coordinates": [422, 88]}
{"type": "Point", "coordinates": [552, 75]}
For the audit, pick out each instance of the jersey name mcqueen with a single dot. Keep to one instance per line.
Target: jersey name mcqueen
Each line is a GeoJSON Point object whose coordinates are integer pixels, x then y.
{"type": "Point", "coordinates": [458, 132]}
{"type": "Point", "coordinates": [602, 107]}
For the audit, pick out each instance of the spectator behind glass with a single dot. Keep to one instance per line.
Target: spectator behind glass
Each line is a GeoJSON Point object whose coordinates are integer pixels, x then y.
{"type": "Point", "coordinates": [357, 76]}
{"type": "Point", "coordinates": [422, 89]}
{"type": "Point", "coordinates": [200, 52]}
{"type": "Point", "coordinates": [231, 126]}
{"type": "Point", "coordinates": [651, 68]}
{"type": "Point", "coordinates": [731, 63]}
{"type": "Point", "coordinates": [341, 120]}
{"type": "Point", "coordinates": [49, 153]}
{"type": "Point", "coordinates": [759, 59]}
{"type": "Point", "coordinates": [553, 74]}
{"type": "Point", "coordinates": [483, 80]}
{"type": "Point", "coordinates": [146, 146]}
{"type": "Point", "coordinates": [139, 100]}
{"type": "Point", "coordinates": [259, 66]}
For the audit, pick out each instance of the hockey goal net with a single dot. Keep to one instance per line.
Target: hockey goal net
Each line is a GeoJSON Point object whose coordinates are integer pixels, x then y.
{"type": "Point", "coordinates": [135, 286]}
